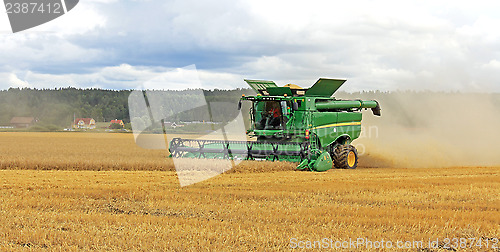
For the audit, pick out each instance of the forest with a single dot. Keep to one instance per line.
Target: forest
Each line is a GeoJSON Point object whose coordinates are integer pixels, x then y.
{"type": "Point", "coordinates": [59, 106]}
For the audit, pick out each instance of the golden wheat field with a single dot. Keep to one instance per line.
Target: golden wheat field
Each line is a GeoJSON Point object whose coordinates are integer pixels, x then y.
{"type": "Point", "coordinates": [83, 191]}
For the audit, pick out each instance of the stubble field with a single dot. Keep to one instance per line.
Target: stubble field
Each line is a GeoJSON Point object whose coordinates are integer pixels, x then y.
{"type": "Point", "coordinates": [76, 191]}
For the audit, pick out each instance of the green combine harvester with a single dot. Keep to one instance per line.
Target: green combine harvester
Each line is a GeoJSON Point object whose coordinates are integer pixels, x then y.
{"type": "Point", "coordinates": [294, 124]}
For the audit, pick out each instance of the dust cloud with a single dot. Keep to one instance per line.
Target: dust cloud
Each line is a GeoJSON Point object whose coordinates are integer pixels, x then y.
{"type": "Point", "coordinates": [427, 129]}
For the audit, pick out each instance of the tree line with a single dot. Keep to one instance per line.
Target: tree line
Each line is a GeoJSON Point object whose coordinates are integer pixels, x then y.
{"type": "Point", "coordinates": [59, 106]}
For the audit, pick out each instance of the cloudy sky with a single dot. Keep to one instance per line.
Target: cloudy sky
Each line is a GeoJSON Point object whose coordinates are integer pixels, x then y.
{"type": "Point", "coordinates": [376, 45]}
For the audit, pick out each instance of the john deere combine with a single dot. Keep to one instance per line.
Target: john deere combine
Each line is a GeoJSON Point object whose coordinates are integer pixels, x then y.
{"type": "Point", "coordinates": [290, 123]}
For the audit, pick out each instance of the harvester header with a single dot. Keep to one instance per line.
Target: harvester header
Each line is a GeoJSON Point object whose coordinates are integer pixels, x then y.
{"type": "Point", "coordinates": [290, 123]}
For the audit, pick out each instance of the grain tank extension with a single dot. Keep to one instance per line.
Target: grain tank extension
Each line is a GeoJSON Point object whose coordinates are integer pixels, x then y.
{"type": "Point", "coordinates": [290, 123]}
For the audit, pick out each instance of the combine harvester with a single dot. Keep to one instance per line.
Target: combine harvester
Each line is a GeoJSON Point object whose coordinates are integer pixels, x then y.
{"type": "Point", "coordinates": [294, 124]}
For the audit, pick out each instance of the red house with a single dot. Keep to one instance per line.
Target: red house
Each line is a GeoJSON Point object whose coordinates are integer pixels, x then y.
{"type": "Point", "coordinates": [84, 123]}
{"type": "Point", "coordinates": [117, 122]}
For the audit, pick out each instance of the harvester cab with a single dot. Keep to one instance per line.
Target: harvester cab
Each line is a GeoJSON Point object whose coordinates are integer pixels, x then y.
{"type": "Point", "coordinates": [290, 123]}
{"type": "Point", "coordinates": [270, 115]}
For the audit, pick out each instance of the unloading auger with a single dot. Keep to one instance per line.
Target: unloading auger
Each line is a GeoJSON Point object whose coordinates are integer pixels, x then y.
{"type": "Point", "coordinates": [290, 123]}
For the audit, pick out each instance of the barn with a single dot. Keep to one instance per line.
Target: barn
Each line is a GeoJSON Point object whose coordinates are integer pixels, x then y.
{"type": "Point", "coordinates": [22, 122]}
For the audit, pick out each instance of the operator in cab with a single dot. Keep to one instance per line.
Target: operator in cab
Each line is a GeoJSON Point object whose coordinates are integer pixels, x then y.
{"type": "Point", "coordinates": [272, 115]}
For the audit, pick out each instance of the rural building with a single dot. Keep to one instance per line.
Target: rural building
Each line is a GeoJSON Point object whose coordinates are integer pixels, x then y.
{"type": "Point", "coordinates": [22, 122]}
{"type": "Point", "coordinates": [117, 122]}
{"type": "Point", "coordinates": [175, 125]}
{"type": "Point", "coordinates": [84, 123]}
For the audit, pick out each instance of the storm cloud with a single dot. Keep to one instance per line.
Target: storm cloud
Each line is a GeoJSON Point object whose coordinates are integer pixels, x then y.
{"type": "Point", "coordinates": [376, 45]}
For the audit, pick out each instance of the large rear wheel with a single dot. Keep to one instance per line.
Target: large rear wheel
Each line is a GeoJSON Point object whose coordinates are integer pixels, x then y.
{"type": "Point", "coordinates": [345, 157]}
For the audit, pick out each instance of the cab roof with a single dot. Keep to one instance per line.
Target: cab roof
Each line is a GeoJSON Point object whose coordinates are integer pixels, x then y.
{"type": "Point", "coordinates": [324, 87]}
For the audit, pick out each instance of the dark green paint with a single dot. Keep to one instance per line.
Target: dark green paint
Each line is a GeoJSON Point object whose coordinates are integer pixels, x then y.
{"type": "Point", "coordinates": [329, 121]}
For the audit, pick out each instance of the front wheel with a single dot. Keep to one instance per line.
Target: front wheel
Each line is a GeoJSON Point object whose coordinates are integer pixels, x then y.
{"type": "Point", "coordinates": [345, 157]}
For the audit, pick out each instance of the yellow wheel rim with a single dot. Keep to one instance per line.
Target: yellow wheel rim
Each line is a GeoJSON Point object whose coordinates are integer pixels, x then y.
{"type": "Point", "coordinates": [351, 159]}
